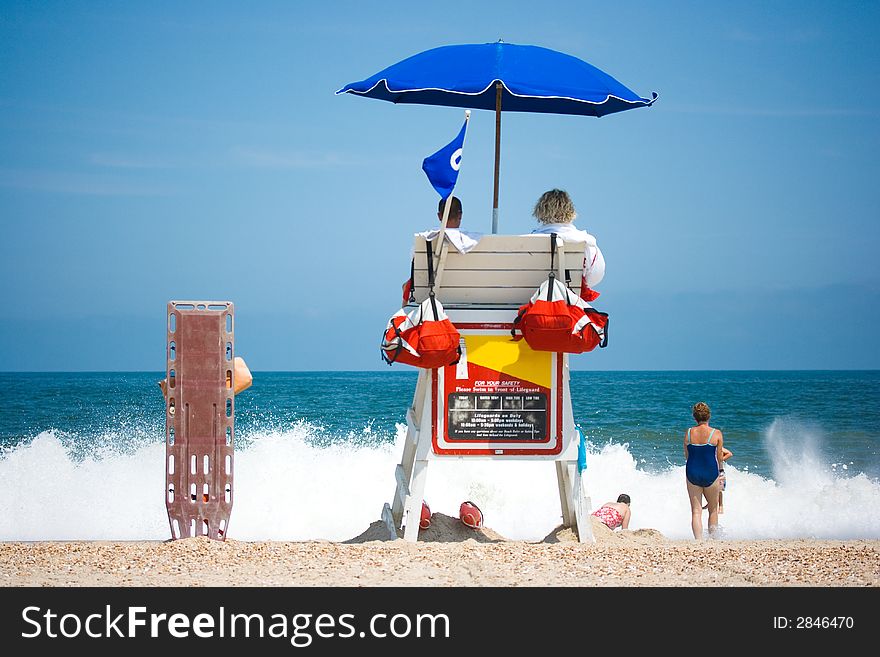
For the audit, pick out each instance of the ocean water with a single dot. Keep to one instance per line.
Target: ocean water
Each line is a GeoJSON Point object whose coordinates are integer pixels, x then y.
{"type": "Point", "coordinates": [82, 455]}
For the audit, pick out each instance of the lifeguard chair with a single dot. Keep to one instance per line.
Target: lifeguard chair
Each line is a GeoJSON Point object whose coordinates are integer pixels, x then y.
{"type": "Point", "coordinates": [502, 400]}
{"type": "Point", "coordinates": [199, 417]}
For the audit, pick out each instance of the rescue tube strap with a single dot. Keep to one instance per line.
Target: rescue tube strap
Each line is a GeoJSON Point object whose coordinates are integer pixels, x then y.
{"type": "Point", "coordinates": [430, 255]}
{"type": "Point", "coordinates": [392, 359]}
{"type": "Point", "coordinates": [519, 316]}
{"type": "Point", "coordinates": [431, 280]}
{"type": "Point", "coordinates": [552, 262]}
{"type": "Point", "coordinates": [412, 281]}
{"type": "Point", "coordinates": [604, 341]}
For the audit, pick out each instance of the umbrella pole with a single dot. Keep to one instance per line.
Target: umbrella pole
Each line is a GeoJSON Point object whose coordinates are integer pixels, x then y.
{"type": "Point", "coordinates": [497, 155]}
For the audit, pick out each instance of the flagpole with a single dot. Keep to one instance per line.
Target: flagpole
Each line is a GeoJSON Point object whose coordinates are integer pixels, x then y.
{"type": "Point", "coordinates": [448, 203]}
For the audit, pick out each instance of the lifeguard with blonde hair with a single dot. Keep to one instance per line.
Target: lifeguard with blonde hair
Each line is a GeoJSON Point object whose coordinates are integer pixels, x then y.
{"type": "Point", "coordinates": [556, 213]}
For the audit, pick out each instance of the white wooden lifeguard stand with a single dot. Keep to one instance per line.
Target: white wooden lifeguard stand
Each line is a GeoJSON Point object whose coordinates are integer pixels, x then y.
{"type": "Point", "coordinates": [502, 400]}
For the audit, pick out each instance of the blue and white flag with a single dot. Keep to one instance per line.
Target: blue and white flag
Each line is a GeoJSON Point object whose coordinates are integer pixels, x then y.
{"type": "Point", "coordinates": [442, 167]}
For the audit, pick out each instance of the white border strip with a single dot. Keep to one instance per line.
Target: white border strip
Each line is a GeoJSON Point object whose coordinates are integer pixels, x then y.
{"type": "Point", "coordinates": [641, 101]}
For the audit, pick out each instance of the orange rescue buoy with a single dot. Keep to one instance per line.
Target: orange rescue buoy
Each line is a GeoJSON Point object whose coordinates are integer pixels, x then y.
{"type": "Point", "coordinates": [425, 520]}
{"type": "Point", "coordinates": [470, 514]}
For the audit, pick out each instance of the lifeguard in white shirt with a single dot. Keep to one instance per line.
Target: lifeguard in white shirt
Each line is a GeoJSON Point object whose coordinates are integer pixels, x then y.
{"type": "Point", "coordinates": [462, 240]}
{"type": "Point", "coordinates": [556, 214]}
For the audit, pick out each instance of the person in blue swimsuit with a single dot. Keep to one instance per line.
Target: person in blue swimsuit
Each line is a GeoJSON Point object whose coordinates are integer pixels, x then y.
{"type": "Point", "coordinates": [703, 451]}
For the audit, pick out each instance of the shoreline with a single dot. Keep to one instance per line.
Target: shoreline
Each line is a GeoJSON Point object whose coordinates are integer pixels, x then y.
{"type": "Point", "coordinates": [447, 555]}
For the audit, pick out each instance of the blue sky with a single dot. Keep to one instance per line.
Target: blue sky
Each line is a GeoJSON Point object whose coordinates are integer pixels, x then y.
{"type": "Point", "coordinates": [156, 151]}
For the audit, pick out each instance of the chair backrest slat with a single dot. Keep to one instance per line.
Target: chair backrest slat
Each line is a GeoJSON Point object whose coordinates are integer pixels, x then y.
{"type": "Point", "coordinates": [502, 270]}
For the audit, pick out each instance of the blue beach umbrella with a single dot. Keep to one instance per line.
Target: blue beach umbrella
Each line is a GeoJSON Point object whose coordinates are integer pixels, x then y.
{"type": "Point", "coordinates": [500, 76]}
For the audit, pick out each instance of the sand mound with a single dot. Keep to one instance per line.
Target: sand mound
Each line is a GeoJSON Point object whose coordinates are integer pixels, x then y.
{"type": "Point", "coordinates": [568, 534]}
{"type": "Point", "coordinates": [643, 536]}
{"type": "Point", "coordinates": [605, 536]}
{"type": "Point", "coordinates": [443, 529]}
{"type": "Point", "coordinates": [446, 529]}
{"type": "Point", "coordinates": [377, 531]}
{"type": "Point", "coordinates": [561, 535]}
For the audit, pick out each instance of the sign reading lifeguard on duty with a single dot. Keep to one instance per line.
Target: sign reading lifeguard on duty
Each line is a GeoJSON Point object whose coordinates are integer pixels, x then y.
{"type": "Point", "coordinates": [501, 399]}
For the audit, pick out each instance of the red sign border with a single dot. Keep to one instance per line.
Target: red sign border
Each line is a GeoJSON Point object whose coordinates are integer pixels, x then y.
{"type": "Point", "coordinates": [507, 451]}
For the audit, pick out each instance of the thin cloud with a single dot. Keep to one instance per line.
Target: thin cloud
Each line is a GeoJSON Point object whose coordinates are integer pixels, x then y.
{"type": "Point", "coordinates": [118, 161]}
{"type": "Point", "coordinates": [251, 158]}
{"type": "Point", "coordinates": [791, 35]}
{"type": "Point", "coordinates": [269, 159]}
{"type": "Point", "coordinates": [112, 121]}
{"type": "Point", "coordinates": [782, 112]}
{"type": "Point", "coordinates": [85, 184]}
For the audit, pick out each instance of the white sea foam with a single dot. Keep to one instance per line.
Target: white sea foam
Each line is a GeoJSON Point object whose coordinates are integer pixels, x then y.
{"type": "Point", "coordinates": [289, 489]}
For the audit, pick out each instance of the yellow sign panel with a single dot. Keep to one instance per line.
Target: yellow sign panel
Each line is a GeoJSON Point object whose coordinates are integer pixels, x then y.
{"type": "Point", "coordinates": [514, 358]}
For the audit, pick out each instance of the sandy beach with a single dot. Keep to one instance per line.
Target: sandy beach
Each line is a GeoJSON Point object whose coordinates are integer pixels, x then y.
{"type": "Point", "coordinates": [447, 554]}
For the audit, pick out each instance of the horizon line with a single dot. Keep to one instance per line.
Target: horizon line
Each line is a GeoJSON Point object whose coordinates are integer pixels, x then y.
{"type": "Point", "coordinates": [414, 370]}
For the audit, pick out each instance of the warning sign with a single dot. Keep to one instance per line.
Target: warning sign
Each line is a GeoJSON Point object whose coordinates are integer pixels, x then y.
{"type": "Point", "coordinates": [498, 399]}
